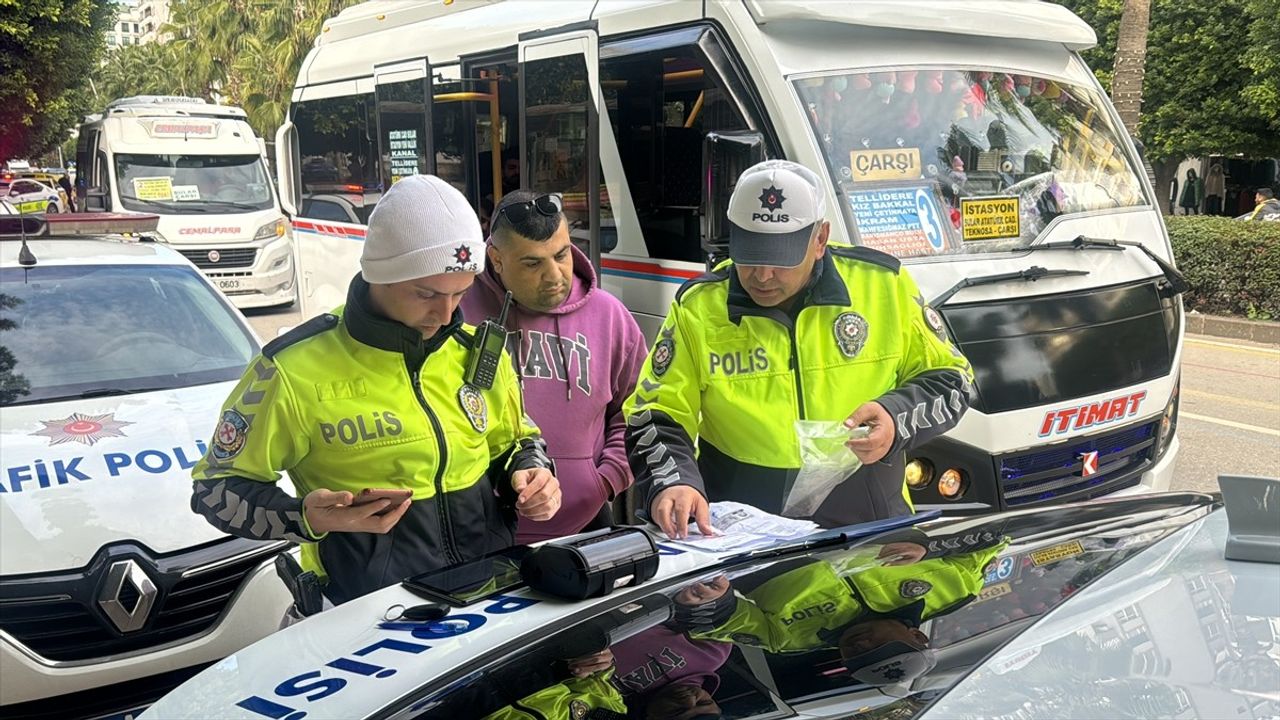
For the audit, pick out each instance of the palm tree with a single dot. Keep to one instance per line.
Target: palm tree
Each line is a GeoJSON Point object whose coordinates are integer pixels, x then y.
{"type": "Point", "coordinates": [1130, 68]}
{"type": "Point", "coordinates": [1131, 61]}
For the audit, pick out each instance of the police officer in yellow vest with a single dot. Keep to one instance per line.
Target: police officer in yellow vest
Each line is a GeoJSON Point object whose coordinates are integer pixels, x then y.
{"type": "Point", "coordinates": [790, 328]}
{"type": "Point", "coordinates": [372, 397]}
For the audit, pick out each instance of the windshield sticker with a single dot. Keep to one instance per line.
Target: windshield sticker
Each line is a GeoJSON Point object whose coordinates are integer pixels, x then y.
{"type": "Point", "coordinates": [404, 153]}
{"type": "Point", "coordinates": [186, 192]}
{"type": "Point", "coordinates": [989, 218]}
{"type": "Point", "coordinates": [888, 164]}
{"type": "Point", "coordinates": [1001, 569]}
{"type": "Point", "coordinates": [900, 221]}
{"type": "Point", "coordinates": [153, 188]}
{"type": "Point", "coordinates": [1056, 553]}
{"type": "Point", "coordinates": [994, 591]}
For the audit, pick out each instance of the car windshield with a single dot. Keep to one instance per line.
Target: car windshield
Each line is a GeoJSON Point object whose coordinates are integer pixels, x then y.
{"type": "Point", "coordinates": [876, 630]}
{"type": "Point", "coordinates": [87, 330]}
{"type": "Point", "coordinates": [935, 162]}
{"type": "Point", "coordinates": [191, 184]}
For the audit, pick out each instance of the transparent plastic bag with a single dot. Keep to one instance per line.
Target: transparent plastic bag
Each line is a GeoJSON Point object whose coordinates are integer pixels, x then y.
{"type": "Point", "coordinates": [825, 462]}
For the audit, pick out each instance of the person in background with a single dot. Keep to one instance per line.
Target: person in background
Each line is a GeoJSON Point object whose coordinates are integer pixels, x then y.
{"type": "Point", "coordinates": [1215, 190]}
{"type": "Point", "coordinates": [1267, 206]}
{"type": "Point", "coordinates": [65, 184]}
{"type": "Point", "coordinates": [577, 350]}
{"type": "Point", "coordinates": [1192, 193]}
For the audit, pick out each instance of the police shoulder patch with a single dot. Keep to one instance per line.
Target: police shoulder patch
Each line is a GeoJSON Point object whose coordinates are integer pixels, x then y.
{"type": "Point", "coordinates": [314, 326]}
{"type": "Point", "coordinates": [912, 589]}
{"type": "Point", "coordinates": [933, 319]}
{"type": "Point", "coordinates": [229, 439]}
{"type": "Point", "coordinates": [664, 352]}
{"type": "Point", "coordinates": [868, 255]}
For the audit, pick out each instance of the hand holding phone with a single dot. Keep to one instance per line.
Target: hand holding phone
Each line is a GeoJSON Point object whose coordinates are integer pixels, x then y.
{"type": "Point", "coordinates": [344, 511]}
{"type": "Point", "coordinates": [396, 496]}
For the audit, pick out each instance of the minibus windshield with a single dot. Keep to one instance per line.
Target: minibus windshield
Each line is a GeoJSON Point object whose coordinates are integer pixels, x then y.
{"type": "Point", "coordinates": [935, 161]}
{"type": "Point", "coordinates": [192, 184]}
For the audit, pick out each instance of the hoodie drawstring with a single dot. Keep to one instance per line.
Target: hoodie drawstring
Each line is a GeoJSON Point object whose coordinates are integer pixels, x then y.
{"type": "Point", "coordinates": [564, 361]}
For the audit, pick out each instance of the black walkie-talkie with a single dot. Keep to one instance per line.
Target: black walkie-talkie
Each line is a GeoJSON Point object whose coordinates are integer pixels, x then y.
{"type": "Point", "coordinates": [486, 351]}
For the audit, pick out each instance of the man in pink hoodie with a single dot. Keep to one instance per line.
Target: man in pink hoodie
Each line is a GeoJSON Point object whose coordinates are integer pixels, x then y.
{"type": "Point", "coordinates": [576, 348]}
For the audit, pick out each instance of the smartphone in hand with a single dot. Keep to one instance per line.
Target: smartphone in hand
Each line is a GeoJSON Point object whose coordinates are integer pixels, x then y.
{"type": "Point", "coordinates": [396, 496]}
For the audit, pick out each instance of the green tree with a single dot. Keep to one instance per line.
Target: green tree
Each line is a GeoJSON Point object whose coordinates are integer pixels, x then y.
{"type": "Point", "coordinates": [246, 52]}
{"type": "Point", "coordinates": [48, 49]}
{"type": "Point", "coordinates": [136, 70]}
{"type": "Point", "coordinates": [1211, 83]}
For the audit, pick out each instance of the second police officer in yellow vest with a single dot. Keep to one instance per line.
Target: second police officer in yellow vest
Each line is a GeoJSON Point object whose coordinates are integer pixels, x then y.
{"type": "Point", "coordinates": [792, 327]}
{"type": "Point", "coordinates": [372, 396]}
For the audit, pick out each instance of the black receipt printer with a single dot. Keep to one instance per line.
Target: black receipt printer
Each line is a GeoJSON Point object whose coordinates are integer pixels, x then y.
{"type": "Point", "coordinates": [592, 564]}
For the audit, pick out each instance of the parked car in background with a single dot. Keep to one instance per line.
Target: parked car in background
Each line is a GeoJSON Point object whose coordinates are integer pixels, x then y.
{"type": "Point", "coordinates": [32, 196]}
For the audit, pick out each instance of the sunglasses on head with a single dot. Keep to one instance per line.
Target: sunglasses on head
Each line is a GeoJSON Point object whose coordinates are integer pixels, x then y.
{"type": "Point", "coordinates": [550, 205]}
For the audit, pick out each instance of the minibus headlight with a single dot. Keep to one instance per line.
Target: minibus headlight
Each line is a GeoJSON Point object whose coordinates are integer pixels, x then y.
{"type": "Point", "coordinates": [271, 230]}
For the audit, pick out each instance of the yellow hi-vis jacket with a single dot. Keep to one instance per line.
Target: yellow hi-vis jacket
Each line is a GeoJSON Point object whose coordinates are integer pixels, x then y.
{"type": "Point", "coordinates": [735, 377]}
{"type": "Point", "coordinates": [351, 400]}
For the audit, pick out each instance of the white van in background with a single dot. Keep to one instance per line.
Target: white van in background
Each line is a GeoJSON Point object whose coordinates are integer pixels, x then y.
{"type": "Point", "coordinates": [201, 168]}
{"type": "Point", "coordinates": [967, 139]}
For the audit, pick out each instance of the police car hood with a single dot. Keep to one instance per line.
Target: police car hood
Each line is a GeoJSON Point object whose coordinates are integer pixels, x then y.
{"type": "Point", "coordinates": [81, 474]}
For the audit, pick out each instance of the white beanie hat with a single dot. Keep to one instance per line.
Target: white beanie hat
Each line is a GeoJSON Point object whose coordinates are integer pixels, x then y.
{"type": "Point", "coordinates": [422, 226]}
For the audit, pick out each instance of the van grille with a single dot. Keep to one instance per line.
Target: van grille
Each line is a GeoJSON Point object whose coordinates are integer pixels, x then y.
{"type": "Point", "coordinates": [228, 258]}
{"type": "Point", "coordinates": [1048, 473]}
{"type": "Point", "coordinates": [58, 617]}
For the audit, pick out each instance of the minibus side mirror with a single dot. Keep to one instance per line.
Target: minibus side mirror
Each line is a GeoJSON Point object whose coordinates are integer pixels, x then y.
{"type": "Point", "coordinates": [724, 156]}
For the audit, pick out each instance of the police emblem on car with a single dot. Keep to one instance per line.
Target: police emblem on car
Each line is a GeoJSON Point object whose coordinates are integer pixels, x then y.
{"type": "Point", "coordinates": [851, 333]}
{"type": "Point", "coordinates": [911, 589]}
{"type": "Point", "coordinates": [228, 439]}
{"type": "Point", "coordinates": [474, 406]}
{"type": "Point", "coordinates": [664, 352]}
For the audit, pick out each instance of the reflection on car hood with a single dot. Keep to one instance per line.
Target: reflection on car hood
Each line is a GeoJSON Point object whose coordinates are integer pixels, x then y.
{"type": "Point", "coordinates": [1177, 631]}
{"type": "Point", "coordinates": [80, 474]}
{"type": "Point", "coordinates": [782, 626]}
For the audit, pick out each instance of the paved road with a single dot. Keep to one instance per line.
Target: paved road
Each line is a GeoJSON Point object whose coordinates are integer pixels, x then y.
{"type": "Point", "coordinates": [1230, 419]}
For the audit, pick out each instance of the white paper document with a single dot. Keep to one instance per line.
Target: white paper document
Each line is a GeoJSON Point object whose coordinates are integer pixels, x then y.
{"type": "Point", "coordinates": [743, 527]}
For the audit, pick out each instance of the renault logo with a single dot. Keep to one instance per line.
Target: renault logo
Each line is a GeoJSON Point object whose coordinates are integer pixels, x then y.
{"type": "Point", "coordinates": [214, 256]}
{"type": "Point", "coordinates": [127, 595]}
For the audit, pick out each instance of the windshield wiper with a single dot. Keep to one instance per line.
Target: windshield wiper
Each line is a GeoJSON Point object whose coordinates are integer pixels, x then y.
{"type": "Point", "coordinates": [234, 204]}
{"type": "Point", "coordinates": [1177, 282]}
{"type": "Point", "coordinates": [109, 391]}
{"type": "Point", "coordinates": [1031, 274]}
{"type": "Point", "coordinates": [165, 204]}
